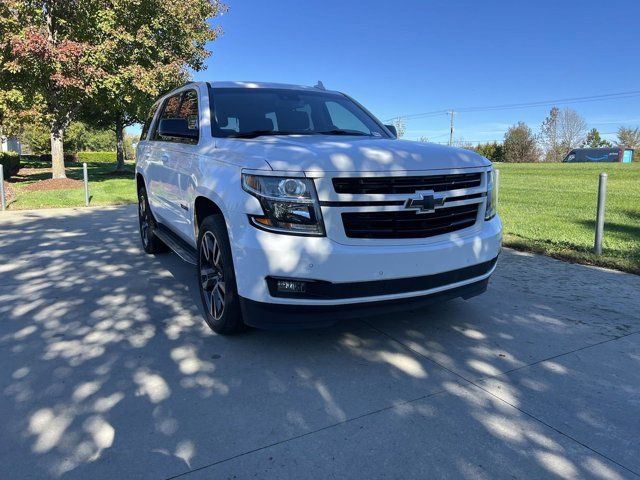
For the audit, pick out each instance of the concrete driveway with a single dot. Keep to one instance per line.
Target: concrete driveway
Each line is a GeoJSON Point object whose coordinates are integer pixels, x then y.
{"type": "Point", "coordinates": [108, 372]}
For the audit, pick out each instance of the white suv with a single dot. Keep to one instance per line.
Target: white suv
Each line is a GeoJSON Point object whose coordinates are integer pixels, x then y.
{"type": "Point", "coordinates": [299, 207]}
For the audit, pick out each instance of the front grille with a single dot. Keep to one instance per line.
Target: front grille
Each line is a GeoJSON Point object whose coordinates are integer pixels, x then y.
{"type": "Point", "coordinates": [390, 185]}
{"type": "Point", "coordinates": [407, 223]}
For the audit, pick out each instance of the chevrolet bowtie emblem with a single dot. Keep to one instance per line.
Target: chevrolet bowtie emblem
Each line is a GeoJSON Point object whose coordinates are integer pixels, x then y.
{"type": "Point", "coordinates": [424, 202]}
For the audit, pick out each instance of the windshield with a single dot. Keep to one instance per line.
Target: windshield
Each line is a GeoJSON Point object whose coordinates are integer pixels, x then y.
{"type": "Point", "coordinates": [253, 112]}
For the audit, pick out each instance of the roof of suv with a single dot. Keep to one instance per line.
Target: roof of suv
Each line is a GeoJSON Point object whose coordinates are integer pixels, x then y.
{"type": "Point", "coordinates": [247, 84]}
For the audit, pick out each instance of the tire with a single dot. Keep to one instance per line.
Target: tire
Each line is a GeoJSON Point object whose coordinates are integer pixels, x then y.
{"type": "Point", "coordinates": [216, 278]}
{"type": "Point", "coordinates": [150, 242]}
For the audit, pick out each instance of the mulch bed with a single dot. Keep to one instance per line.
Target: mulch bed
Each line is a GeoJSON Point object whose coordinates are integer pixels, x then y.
{"type": "Point", "coordinates": [25, 172]}
{"type": "Point", "coordinates": [53, 184]}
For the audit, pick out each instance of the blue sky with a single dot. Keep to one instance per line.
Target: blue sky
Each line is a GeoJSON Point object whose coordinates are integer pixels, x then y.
{"type": "Point", "coordinates": [415, 56]}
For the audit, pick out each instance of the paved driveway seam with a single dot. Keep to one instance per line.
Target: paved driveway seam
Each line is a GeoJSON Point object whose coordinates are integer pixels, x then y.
{"type": "Point", "coordinates": [306, 434]}
{"type": "Point", "coordinates": [553, 357]}
{"type": "Point", "coordinates": [524, 412]}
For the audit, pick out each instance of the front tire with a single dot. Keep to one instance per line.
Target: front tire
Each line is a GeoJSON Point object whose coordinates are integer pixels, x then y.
{"type": "Point", "coordinates": [216, 278]}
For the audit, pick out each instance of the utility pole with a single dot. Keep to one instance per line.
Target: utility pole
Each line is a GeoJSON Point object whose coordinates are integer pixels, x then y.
{"type": "Point", "coordinates": [452, 113]}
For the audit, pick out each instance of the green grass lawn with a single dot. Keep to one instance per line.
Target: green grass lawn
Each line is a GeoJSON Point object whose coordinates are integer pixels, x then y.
{"type": "Point", "coordinates": [105, 187]}
{"type": "Point", "coordinates": [551, 209]}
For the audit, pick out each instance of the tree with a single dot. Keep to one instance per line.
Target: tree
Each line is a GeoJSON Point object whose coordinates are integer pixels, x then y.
{"type": "Point", "coordinates": [400, 125]}
{"type": "Point", "coordinates": [520, 144]}
{"type": "Point", "coordinates": [493, 151]}
{"type": "Point", "coordinates": [79, 137]}
{"type": "Point", "coordinates": [562, 131]}
{"type": "Point", "coordinates": [36, 138]}
{"type": "Point", "coordinates": [549, 137]}
{"type": "Point", "coordinates": [16, 108]}
{"type": "Point", "coordinates": [83, 138]}
{"type": "Point", "coordinates": [593, 140]}
{"type": "Point", "coordinates": [628, 137]}
{"type": "Point", "coordinates": [462, 143]}
{"type": "Point", "coordinates": [140, 62]}
{"type": "Point", "coordinates": [571, 129]}
{"type": "Point", "coordinates": [117, 54]}
{"type": "Point", "coordinates": [52, 47]}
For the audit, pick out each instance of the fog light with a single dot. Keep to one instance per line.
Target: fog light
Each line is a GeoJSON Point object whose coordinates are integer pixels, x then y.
{"type": "Point", "coordinates": [290, 286]}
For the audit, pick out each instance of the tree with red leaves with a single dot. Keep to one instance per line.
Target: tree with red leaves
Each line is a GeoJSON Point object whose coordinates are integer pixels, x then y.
{"type": "Point", "coordinates": [108, 57]}
{"type": "Point", "coordinates": [51, 50]}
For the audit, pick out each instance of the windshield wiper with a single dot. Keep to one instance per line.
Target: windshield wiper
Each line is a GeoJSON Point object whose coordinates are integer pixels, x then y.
{"type": "Point", "coordinates": [264, 133]}
{"type": "Point", "coordinates": [345, 132]}
{"type": "Point", "coordinates": [252, 134]}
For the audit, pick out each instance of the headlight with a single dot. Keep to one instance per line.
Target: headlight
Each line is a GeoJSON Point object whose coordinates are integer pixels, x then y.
{"type": "Point", "coordinates": [491, 195]}
{"type": "Point", "coordinates": [290, 205]}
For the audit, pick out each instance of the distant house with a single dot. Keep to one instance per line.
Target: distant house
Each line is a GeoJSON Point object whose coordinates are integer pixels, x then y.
{"type": "Point", "coordinates": [10, 144]}
{"type": "Point", "coordinates": [616, 154]}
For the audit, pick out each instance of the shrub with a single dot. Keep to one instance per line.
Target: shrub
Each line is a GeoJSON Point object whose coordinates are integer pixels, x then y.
{"type": "Point", "coordinates": [104, 157]}
{"type": "Point", "coordinates": [492, 151]}
{"type": "Point", "coordinates": [520, 145]}
{"type": "Point", "coordinates": [10, 162]}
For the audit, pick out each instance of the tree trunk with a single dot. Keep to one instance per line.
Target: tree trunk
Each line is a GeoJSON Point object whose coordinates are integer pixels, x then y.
{"type": "Point", "coordinates": [57, 152]}
{"type": "Point", "coordinates": [119, 143]}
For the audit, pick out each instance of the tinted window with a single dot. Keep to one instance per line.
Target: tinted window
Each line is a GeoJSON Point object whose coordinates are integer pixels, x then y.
{"type": "Point", "coordinates": [147, 124]}
{"type": "Point", "coordinates": [171, 107]}
{"type": "Point", "coordinates": [241, 111]}
{"type": "Point", "coordinates": [344, 119]}
{"type": "Point", "coordinates": [189, 109]}
{"type": "Point", "coordinates": [183, 106]}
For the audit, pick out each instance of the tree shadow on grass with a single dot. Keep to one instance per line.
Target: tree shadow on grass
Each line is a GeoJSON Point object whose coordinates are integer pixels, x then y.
{"type": "Point", "coordinates": [625, 232]}
{"type": "Point", "coordinates": [634, 214]}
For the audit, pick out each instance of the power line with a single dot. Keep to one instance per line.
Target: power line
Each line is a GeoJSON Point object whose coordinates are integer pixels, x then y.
{"type": "Point", "coordinates": [500, 140]}
{"type": "Point", "coordinates": [512, 106]}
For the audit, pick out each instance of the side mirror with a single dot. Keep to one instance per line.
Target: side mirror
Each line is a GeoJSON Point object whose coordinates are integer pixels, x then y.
{"type": "Point", "coordinates": [176, 127]}
{"type": "Point", "coordinates": [393, 130]}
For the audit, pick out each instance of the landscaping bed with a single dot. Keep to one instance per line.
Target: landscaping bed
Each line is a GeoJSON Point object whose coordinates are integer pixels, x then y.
{"type": "Point", "coordinates": [53, 184]}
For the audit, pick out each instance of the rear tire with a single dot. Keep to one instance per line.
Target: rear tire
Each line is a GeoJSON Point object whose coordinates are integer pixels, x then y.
{"type": "Point", "coordinates": [216, 278]}
{"type": "Point", "coordinates": [150, 242]}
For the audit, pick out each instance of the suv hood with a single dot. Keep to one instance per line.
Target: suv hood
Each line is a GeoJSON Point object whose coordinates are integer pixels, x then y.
{"type": "Point", "coordinates": [319, 154]}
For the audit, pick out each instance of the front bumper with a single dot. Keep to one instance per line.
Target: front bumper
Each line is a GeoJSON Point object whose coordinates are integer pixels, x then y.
{"type": "Point", "coordinates": [258, 254]}
{"type": "Point", "coordinates": [273, 316]}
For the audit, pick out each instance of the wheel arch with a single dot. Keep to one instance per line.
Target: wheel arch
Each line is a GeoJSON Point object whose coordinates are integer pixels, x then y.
{"type": "Point", "coordinates": [140, 182]}
{"type": "Point", "coordinates": [202, 208]}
